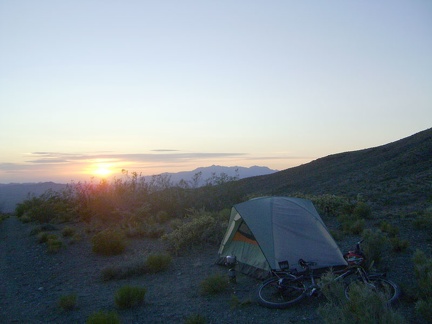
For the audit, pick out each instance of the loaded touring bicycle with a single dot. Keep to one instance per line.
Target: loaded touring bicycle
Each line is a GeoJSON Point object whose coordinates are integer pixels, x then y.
{"type": "Point", "coordinates": [285, 239]}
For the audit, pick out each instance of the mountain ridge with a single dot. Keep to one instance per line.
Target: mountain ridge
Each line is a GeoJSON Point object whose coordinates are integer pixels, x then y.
{"type": "Point", "coordinates": [398, 173]}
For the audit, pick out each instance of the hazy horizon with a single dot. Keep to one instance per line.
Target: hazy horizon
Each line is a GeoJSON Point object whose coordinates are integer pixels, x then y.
{"type": "Point", "coordinates": [91, 88]}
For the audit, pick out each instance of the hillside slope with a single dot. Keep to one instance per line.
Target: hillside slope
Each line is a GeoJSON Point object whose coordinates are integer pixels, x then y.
{"type": "Point", "coordinates": [398, 174]}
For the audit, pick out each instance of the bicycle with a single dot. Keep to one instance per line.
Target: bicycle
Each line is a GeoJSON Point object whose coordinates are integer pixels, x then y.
{"type": "Point", "coordinates": [286, 288]}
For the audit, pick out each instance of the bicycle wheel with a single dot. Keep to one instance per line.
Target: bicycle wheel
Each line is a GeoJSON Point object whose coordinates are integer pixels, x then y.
{"type": "Point", "coordinates": [280, 292]}
{"type": "Point", "coordinates": [387, 288]}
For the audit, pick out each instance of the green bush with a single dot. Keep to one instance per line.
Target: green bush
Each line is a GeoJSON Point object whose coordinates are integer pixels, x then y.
{"type": "Point", "coordinates": [124, 271]}
{"type": "Point", "coordinates": [158, 262]}
{"type": "Point", "coordinates": [214, 284]}
{"type": "Point", "coordinates": [331, 204]}
{"type": "Point", "coordinates": [153, 264]}
{"type": "Point", "coordinates": [54, 244]}
{"type": "Point", "coordinates": [424, 308]}
{"type": "Point", "coordinates": [398, 245]}
{"type": "Point", "coordinates": [109, 242]}
{"type": "Point", "coordinates": [376, 246]}
{"type": "Point", "coordinates": [129, 296]}
{"type": "Point", "coordinates": [68, 302]}
{"type": "Point", "coordinates": [43, 237]}
{"type": "Point", "coordinates": [201, 227]}
{"type": "Point", "coordinates": [362, 210]}
{"type": "Point", "coordinates": [68, 231]}
{"type": "Point", "coordinates": [388, 228]}
{"type": "Point", "coordinates": [364, 305]}
{"type": "Point", "coordinates": [354, 226]}
{"type": "Point", "coordinates": [424, 220]}
{"type": "Point", "coordinates": [195, 319]}
{"type": "Point", "coordinates": [423, 274]}
{"type": "Point", "coordinates": [102, 317]}
{"type": "Point", "coordinates": [51, 206]}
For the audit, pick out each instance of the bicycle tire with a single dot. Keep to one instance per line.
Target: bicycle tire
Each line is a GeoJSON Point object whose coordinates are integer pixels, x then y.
{"type": "Point", "coordinates": [387, 288]}
{"type": "Point", "coordinates": [275, 294]}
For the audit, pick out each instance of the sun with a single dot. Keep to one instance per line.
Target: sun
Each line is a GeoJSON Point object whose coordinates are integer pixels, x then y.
{"type": "Point", "coordinates": [102, 170]}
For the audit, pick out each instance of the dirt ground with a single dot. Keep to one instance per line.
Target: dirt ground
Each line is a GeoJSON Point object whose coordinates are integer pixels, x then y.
{"type": "Point", "coordinates": [33, 280]}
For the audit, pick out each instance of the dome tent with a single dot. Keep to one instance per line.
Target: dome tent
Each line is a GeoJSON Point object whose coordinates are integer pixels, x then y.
{"type": "Point", "coordinates": [265, 232]}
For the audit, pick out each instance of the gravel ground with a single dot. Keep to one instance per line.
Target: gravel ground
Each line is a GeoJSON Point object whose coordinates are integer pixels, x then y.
{"type": "Point", "coordinates": [33, 280]}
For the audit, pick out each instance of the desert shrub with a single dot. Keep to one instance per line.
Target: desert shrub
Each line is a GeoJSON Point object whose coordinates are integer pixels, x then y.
{"type": "Point", "coordinates": [424, 308]}
{"type": "Point", "coordinates": [49, 207]}
{"type": "Point", "coordinates": [421, 292]}
{"type": "Point", "coordinates": [109, 242]}
{"type": "Point", "coordinates": [124, 271]}
{"type": "Point", "coordinates": [195, 319]}
{"type": "Point", "coordinates": [3, 217]}
{"type": "Point", "coordinates": [388, 228]}
{"type": "Point", "coordinates": [43, 237]}
{"type": "Point", "coordinates": [158, 262]}
{"type": "Point", "coordinates": [175, 223]}
{"type": "Point", "coordinates": [153, 264]}
{"type": "Point", "coordinates": [376, 246]}
{"type": "Point", "coordinates": [75, 238]}
{"type": "Point", "coordinates": [54, 244]}
{"type": "Point", "coordinates": [68, 302]}
{"type": "Point", "coordinates": [354, 227]}
{"type": "Point", "coordinates": [362, 210]}
{"type": "Point", "coordinates": [331, 204]}
{"type": "Point", "coordinates": [424, 220]}
{"type": "Point", "coordinates": [129, 296]}
{"type": "Point", "coordinates": [201, 227]}
{"type": "Point", "coordinates": [214, 284]}
{"type": "Point", "coordinates": [364, 305]}
{"type": "Point", "coordinates": [102, 317]}
{"type": "Point", "coordinates": [68, 231]}
{"type": "Point", "coordinates": [337, 234]}
{"type": "Point", "coordinates": [162, 217]}
{"type": "Point", "coordinates": [104, 199]}
{"type": "Point", "coordinates": [398, 245]}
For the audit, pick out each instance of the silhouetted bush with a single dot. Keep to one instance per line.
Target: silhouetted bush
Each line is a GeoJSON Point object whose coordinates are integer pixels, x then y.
{"type": "Point", "coordinates": [102, 317]}
{"type": "Point", "coordinates": [214, 284]}
{"type": "Point", "coordinates": [68, 302]}
{"type": "Point", "coordinates": [200, 227]}
{"type": "Point", "coordinates": [109, 242]}
{"type": "Point", "coordinates": [129, 296]}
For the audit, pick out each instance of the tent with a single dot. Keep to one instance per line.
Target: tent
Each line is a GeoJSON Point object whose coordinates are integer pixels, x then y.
{"type": "Point", "coordinates": [265, 233]}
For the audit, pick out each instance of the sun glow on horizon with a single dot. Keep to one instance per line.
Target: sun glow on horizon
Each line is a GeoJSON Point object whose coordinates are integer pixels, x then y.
{"type": "Point", "coordinates": [101, 170]}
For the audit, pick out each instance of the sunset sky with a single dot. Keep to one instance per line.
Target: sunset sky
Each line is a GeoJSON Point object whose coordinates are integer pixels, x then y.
{"type": "Point", "coordinates": [88, 88]}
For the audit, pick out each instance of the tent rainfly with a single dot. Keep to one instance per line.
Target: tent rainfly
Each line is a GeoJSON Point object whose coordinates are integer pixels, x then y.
{"type": "Point", "coordinates": [265, 232]}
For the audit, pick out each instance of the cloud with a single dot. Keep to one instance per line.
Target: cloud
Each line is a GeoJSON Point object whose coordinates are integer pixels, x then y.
{"type": "Point", "coordinates": [162, 156]}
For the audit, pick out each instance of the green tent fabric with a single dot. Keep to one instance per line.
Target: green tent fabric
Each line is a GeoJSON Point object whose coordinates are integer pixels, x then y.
{"type": "Point", "coordinates": [263, 232]}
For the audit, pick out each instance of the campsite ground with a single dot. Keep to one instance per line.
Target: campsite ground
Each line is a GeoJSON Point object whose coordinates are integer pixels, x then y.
{"type": "Point", "coordinates": [34, 280]}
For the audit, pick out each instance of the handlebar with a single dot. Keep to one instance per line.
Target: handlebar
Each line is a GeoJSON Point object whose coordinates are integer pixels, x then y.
{"type": "Point", "coordinates": [358, 249]}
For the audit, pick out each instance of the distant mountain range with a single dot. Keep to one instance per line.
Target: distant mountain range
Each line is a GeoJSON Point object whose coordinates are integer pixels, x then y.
{"type": "Point", "coordinates": [13, 193]}
{"type": "Point", "coordinates": [211, 174]}
{"type": "Point", "coordinates": [395, 177]}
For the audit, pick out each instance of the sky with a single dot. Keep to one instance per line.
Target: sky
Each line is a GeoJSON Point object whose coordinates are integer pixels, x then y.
{"type": "Point", "coordinates": [91, 87]}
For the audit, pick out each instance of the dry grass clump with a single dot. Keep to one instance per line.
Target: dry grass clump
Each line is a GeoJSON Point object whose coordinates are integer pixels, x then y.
{"type": "Point", "coordinates": [423, 274]}
{"type": "Point", "coordinates": [214, 284]}
{"type": "Point", "coordinates": [102, 317]}
{"type": "Point", "coordinates": [129, 296]}
{"type": "Point", "coordinates": [364, 305]}
{"type": "Point", "coordinates": [200, 227]}
{"type": "Point", "coordinates": [153, 264]}
{"type": "Point", "coordinates": [68, 231]}
{"type": "Point", "coordinates": [108, 242]}
{"type": "Point", "coordinates": [195, 319]}
{"type": "Point", "coordinates": [68, 302]}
